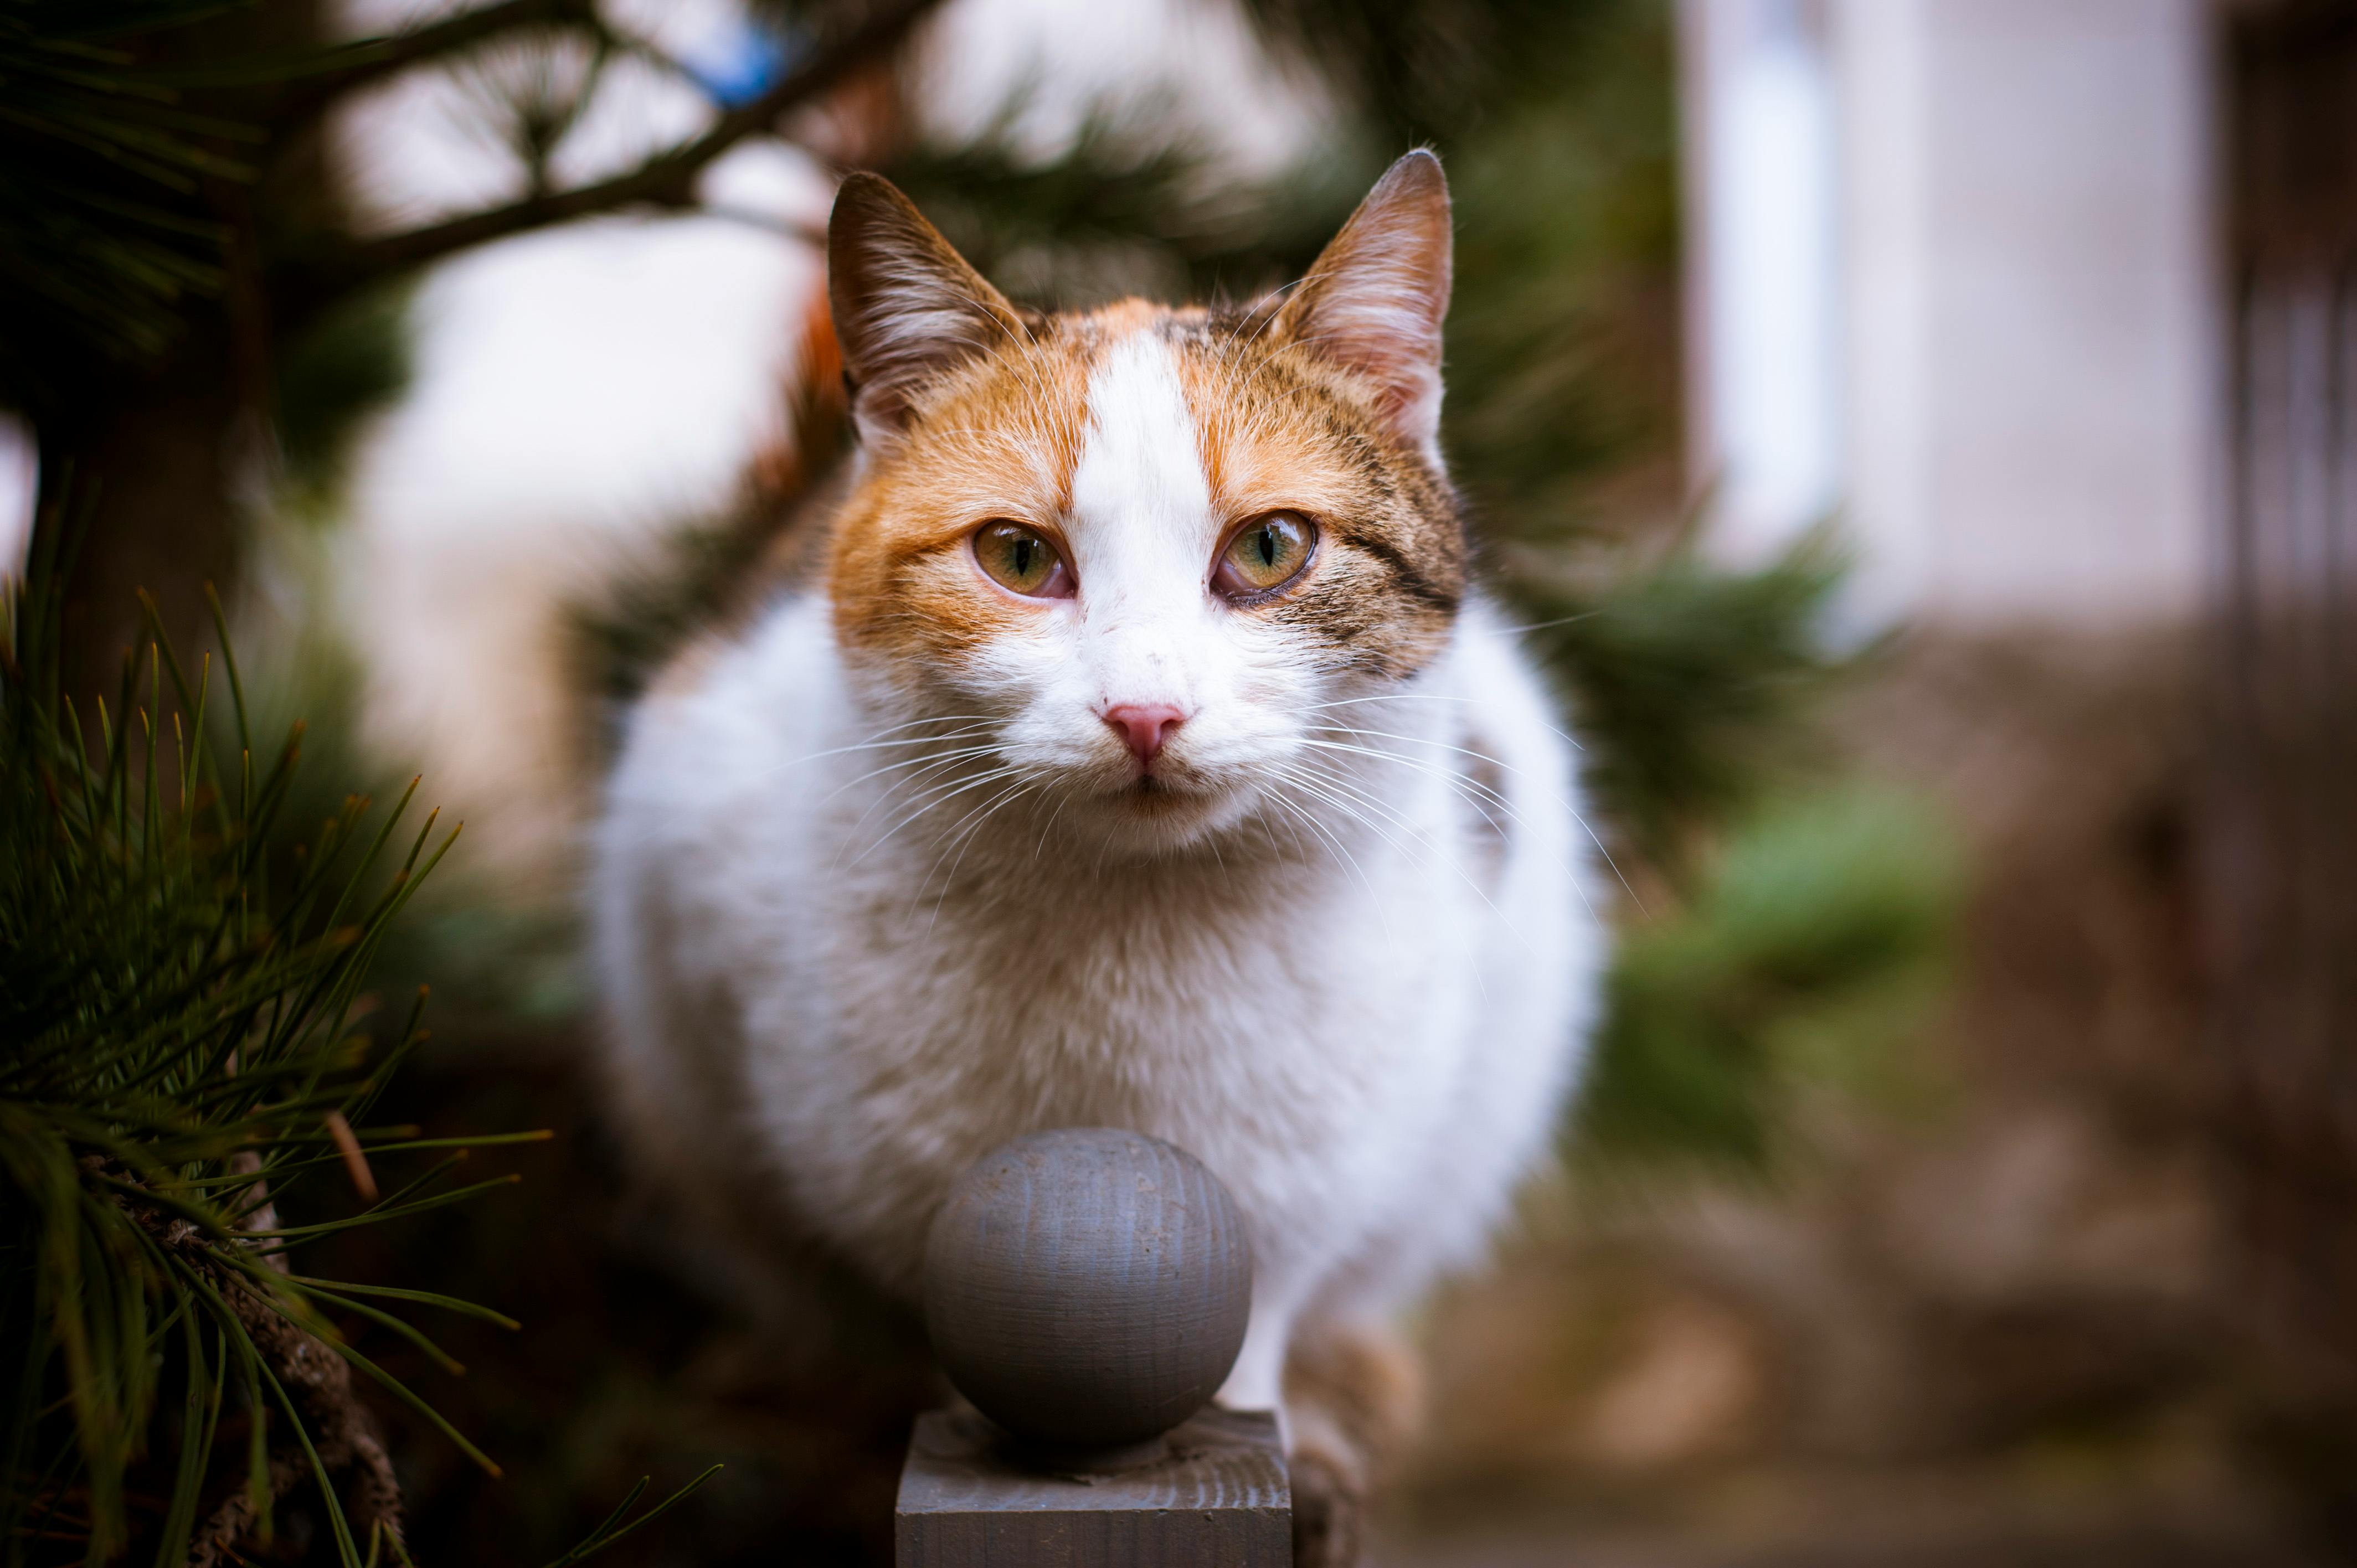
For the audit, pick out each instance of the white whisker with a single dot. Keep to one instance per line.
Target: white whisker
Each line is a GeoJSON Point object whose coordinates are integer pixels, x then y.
{"type": "Point", "coordinates": [1333, 788]}
{"type": "Point", "coordinates": [964, 836]}
{"type": "Point", "coordinates": [941, 795]}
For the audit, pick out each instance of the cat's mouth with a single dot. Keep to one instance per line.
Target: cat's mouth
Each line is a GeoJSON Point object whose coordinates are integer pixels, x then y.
{"type": "Point", "coordinates": [1149, 791]}
{"type": "Point", "coordinates": [1159, 811]}
{"type": "Point", "coordinates": [1156, 795]}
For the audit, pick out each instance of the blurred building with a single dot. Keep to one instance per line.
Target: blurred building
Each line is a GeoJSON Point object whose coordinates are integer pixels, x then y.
{"type": "Point", "coordinates": [2052, 304]}
{"type": "Point", "coordinates": [20, 476]}
{"type": "Point", "coordinates": [1953, 286]}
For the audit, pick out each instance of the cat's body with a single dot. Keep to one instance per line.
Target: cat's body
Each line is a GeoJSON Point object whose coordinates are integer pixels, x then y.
{"type": "Point", "coordinates": [952, 845]}
{"type": "Point", "coordinates": [1361, 1035]}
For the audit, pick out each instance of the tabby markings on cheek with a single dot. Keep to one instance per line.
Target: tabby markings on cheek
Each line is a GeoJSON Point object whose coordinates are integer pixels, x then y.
{"type": "Point", "coordinates": [1415, 584]}
{"type": "Point", "coordinates": [1139, 492]}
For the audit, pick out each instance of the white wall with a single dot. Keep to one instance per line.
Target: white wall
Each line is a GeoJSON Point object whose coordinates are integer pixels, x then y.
{"type": "Point", "coordinates": [1763, 157]}
{"type": "Point", "coordinates": [2024, 307]}
{"type": "Point", "coordinates": [20, 483]}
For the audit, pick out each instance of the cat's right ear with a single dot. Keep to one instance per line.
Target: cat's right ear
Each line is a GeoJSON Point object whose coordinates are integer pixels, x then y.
{"type": "Point", "coordinates": [1373, 302]}
{"type": "Point", "coordinates": [907, 306]}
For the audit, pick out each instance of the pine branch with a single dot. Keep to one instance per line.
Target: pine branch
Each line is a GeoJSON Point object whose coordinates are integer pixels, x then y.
{"type": "Point", "coordinates": [178, 1052]}
{"type": "Point", "coordinates": [666, 179]}
{"type": "Point", "coordinates": [169, 1035]}
{"type": "Point", "coordinates": [356, 66]}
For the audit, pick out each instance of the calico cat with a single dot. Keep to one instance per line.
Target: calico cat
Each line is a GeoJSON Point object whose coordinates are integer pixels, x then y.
{"type": "Point", "coordinates": [1139, 755]}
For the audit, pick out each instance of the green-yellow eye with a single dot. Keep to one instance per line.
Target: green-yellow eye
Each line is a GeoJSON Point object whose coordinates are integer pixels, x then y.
{"type": "Point", "coordinates": [1266, 552]}
{"type": "Point", "coordinates": [1018, 560]}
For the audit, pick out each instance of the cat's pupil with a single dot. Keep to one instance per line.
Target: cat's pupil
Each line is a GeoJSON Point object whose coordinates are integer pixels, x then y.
{"type": "Point", "coordinates": [1022, 557]}
{"type": "Point", "coordinates": [1265, 541]}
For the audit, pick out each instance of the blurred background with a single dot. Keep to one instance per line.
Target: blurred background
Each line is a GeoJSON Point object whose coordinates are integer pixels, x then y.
{"type": "Point", "coordinates": [1920, 435]}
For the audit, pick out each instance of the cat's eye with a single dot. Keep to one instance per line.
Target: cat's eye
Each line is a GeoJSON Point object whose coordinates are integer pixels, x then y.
{"type": "Point", "coordinates": [1018, 560]}
{"type": "Point", "coordinates": [1265, 555]}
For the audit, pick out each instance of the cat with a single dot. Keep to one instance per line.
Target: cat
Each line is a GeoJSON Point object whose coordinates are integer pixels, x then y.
{"type": "Point", "coordinates": [1139, 754]}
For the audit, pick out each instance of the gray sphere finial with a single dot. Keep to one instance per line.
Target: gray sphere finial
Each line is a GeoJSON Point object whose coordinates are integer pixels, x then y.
{"type": "Point", "coordinates": [1088, 1287]}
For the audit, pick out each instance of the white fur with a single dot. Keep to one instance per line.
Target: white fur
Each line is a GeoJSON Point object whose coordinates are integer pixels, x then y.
{"type": "Point", "coordinates": [844, 962]}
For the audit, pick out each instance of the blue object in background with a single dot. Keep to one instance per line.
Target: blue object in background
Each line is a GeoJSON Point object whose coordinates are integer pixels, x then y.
{"type": "Point", "coordinates": [740, 64]}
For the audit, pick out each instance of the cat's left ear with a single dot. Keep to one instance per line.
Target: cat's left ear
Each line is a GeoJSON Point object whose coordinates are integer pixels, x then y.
{"type": "Point", "coordinates": [907, 306]}
{"type": "Point", "coordinates": [1373, 303]}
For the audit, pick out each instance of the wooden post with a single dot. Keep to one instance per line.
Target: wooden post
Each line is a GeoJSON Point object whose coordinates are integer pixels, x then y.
{"type": "Point", "coordinates": [1087, 1290]}
{"type": "Point", "coordinates": [1217, 1498]}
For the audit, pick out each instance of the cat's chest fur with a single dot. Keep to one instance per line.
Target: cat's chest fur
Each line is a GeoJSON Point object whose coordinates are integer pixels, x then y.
{"type": "Point", "coordinates": [904, 1001]}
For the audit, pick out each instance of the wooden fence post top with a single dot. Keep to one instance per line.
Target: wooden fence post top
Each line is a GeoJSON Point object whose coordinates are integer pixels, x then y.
{"type": "Point", "coordinates": [1087, 1290]}
{"type": "Point", "coordinates": [1217, 1498]}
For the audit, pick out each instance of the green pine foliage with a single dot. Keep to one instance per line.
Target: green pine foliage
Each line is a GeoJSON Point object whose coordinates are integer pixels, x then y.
{"type": "Point", "coordinates": [178, 1053]}
{"type": "Point", "coordinates": [1563, 334]}
{"type": "Point", "coordinates": [102, 243]}
{"type": "Point", "coordinates": [1126, 206]}
{"type": "Point", "coordinates": [355, 360]}
{"type": "Point", "coordinates": [187, 1053]}
{"type": "Point", "coordinates": [1811, 944]}
{"type": "Point", "coordinates": [1692, 684]}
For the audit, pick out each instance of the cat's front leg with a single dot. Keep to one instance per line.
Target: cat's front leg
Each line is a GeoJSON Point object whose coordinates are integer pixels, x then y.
{"type": "Point", "coordinates": [1257, 1379]}
{"type": "Point", "coordinates": [1354, 1395]}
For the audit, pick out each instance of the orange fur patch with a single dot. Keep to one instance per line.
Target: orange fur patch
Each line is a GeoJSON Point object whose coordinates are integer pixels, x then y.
{"type": "Point", "coordinates": [999, 436]}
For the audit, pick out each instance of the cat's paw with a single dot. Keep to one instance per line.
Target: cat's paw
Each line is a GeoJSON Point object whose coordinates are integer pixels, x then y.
{"type": "Point", "coordinates": [1329, 1510]}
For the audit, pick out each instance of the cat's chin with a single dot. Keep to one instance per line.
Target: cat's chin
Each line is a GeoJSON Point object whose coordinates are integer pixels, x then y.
{"type": "Point", "coordinates": [1155, 817]}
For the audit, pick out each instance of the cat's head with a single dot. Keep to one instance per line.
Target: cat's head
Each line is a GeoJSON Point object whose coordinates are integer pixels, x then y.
{"type": "Point", "coordinates": [1139, 555]}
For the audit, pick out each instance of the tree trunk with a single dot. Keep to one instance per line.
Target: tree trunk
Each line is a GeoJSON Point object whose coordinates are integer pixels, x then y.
{"type": "Point", "coordinates": [163, 464]}
{"type": "Point", "coordinates": [152, 507]}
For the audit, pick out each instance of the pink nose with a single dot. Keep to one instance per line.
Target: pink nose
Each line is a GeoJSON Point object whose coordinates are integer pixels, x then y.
{"type": "Point", "coordinates": [1145, 728]}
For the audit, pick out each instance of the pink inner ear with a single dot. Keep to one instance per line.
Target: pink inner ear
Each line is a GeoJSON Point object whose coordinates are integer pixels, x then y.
{"type": "Point", "coordinates": [1374, 302]}
{"type": "Point", "coordinates": [1387, 327]}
